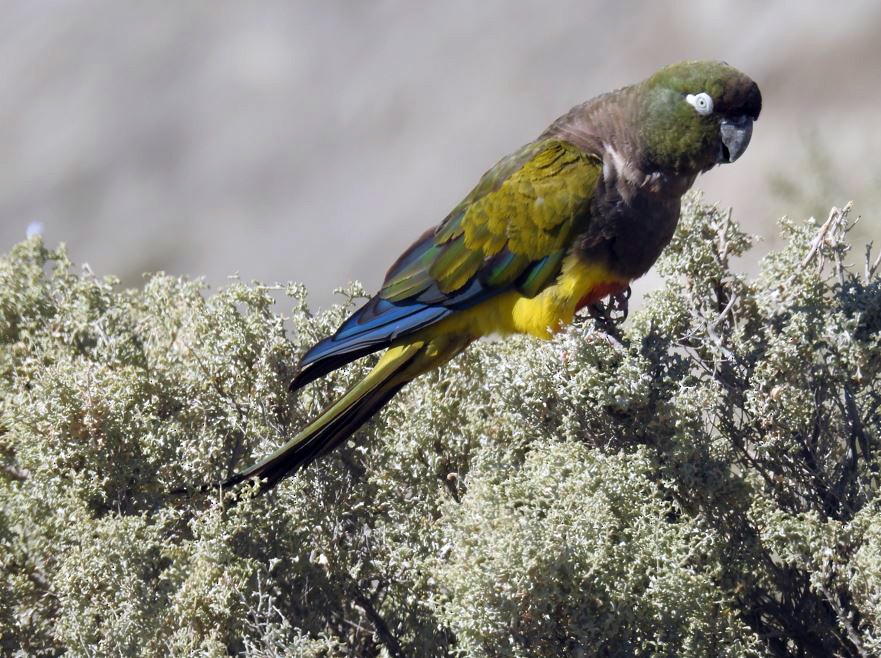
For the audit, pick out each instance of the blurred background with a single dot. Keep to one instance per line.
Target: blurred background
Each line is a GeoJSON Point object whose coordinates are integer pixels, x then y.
{"type": "Point", "coordinates": [313, 141]}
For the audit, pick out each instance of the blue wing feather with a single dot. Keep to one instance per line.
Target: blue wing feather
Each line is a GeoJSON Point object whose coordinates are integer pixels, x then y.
{"type": "Point", "coordinates": [374, 326]}
{"type": "Point", "coordinates": [388, 321]}
{"type": "Point", "coordinates": [379, 323]}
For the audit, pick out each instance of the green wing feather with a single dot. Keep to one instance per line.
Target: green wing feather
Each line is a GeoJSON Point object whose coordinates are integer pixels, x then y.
{"type": "Point", "coordinates": [513, 229]}
{"type": "Point", "coordinates": [512, 232]}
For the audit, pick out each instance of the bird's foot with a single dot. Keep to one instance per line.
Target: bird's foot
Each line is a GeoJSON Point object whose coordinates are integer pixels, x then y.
{"type": "Point", "coordinates": [614, 312]}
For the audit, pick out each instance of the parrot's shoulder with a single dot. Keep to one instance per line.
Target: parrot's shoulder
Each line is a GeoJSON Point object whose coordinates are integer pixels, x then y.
{"type": "Point", "coordinates": [532, 211]}
{"type": "Point", "coordinates": [519, 214]}
{"type": "Point", "coordinates": [541, 159]}
{"type": "Point", "coordinates": [535, 189]}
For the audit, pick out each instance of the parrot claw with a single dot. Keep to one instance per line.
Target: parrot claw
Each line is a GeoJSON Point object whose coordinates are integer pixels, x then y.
{"type": "Point", "coordinates": [621, 302]}
{"type": "Point", "coordinates": [613, 312]}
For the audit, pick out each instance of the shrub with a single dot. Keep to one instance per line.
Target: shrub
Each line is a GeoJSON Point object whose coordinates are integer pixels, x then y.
{"type": "Point", "coordinates": [700, 481]}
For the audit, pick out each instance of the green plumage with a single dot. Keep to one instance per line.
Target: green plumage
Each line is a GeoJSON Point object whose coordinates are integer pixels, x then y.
{"type": "Point", "coordinates": [542, 273]}
{"type": "Point", "coordinates": [572, 216]}
{"type": "Point", "coordinates": [521, 214]}
{"type": "Point", "coordinates": [673, 134]}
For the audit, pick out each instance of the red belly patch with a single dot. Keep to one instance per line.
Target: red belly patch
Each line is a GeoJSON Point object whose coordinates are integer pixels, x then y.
{"type": "Point", "coordinates": [600, 291]}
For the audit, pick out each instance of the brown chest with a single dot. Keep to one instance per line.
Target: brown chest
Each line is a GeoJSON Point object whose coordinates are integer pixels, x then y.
{"type": "Point", "coordinates": [627, 229]}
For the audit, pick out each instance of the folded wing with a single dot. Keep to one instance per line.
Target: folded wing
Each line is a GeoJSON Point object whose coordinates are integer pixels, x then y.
{"type": "Point", "coordinates": [510, 233]}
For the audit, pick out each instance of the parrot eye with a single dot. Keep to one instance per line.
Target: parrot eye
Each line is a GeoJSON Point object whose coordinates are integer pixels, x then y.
{"type": "Point", "coordinates": [702, 103]}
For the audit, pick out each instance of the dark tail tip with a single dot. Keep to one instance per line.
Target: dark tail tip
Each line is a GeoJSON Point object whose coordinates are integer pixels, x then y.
{"type": "Point", "coordinates": [311, 369]}
{"type": "Point", "coordinates": [330, 354]}
{"type": "Point", "coordinates": [305, 375]}
{"type": "Point", "coordinates": [224, 485]}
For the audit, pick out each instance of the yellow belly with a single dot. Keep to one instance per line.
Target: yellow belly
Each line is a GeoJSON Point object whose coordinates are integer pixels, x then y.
{"type": "Point", "coordinates": [542, 315]}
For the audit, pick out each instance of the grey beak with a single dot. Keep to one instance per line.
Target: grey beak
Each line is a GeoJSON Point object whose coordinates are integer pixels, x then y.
{"type": "Point", "coordinates": [736, 133]}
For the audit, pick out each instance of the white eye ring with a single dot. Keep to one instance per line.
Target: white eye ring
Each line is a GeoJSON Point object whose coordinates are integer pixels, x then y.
{"type": "Point", "coordinates": [702, 103]}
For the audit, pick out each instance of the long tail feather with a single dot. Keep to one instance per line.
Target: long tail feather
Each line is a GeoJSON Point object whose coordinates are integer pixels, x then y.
{"type": "Point", "coordinates": [341, 419]}
{"type": "Point", "coordinates": [337, 422]}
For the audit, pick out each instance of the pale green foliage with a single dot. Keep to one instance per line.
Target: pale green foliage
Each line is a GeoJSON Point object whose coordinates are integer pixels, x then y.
{"type": "Point", "coordinates": [574, 550]}
{"type": "Point", "coordinates": [700, 481]}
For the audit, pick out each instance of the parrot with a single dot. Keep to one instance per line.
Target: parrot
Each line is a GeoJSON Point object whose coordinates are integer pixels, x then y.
{"type": "Point", "coordinates": [558, 225]}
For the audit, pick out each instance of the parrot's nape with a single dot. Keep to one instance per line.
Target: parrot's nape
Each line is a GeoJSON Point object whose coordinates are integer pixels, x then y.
{"type": "Point", "coordinates": [563, 222]}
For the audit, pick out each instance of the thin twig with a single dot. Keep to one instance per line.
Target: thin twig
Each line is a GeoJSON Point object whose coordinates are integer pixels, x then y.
{"type": "Point", "coordinates": [821, 235]}
{"type": "Point", "coordinates": [725, 311]}
{"type": "Point", "coordinates": [871, 269]}
{"type": "Point", "coordinates": [722, 234]}
{"type": "Point", "coordinates": [380, 626]}
{"type": "Point", "coordinates": [836, 215]}
{"type": "Point", "coordinates": [844, 619]}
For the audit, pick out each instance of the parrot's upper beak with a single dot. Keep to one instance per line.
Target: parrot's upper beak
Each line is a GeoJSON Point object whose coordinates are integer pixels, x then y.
{"type": "Point", "coordinates": [736, 133]}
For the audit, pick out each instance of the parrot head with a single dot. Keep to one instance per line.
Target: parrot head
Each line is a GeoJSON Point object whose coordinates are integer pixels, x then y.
{"type": "Point", "coordinates": [695, 115]}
